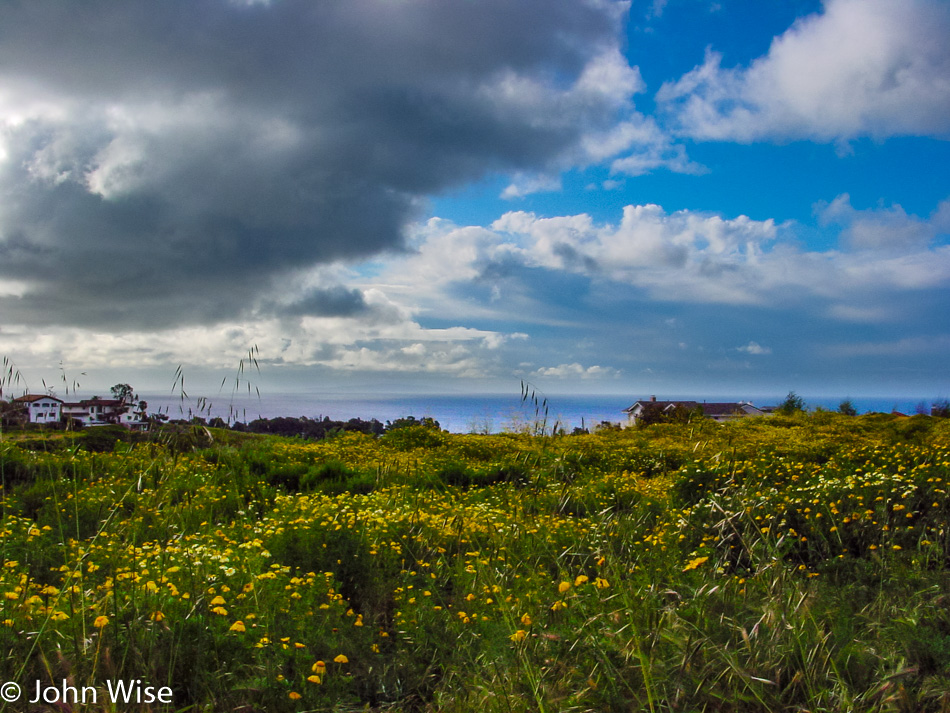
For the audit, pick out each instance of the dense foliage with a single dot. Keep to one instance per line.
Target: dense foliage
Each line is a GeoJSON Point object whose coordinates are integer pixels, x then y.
{"type": "Point", "coordinates": [782, 563]}
{"type": "Point", "coordinates": [315, 428]}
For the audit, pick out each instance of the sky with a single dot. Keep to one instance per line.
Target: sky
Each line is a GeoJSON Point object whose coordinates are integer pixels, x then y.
{"type": "Point", "coordinates": [658, 197]}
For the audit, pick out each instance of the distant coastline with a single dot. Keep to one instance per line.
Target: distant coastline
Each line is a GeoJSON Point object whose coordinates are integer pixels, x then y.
{"type": "Point", "coordinates": [464, 413]}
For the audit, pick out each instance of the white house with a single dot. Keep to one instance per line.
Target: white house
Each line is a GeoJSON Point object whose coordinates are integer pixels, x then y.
{"type": "Point", "coordinates": [40, 408]}
{"type": "Point", "coordinates": [717, 411]}
{"type": "Point", "coordinates": [97, 412]}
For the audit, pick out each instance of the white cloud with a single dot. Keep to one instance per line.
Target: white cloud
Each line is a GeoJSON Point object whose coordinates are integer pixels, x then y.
{"type": "Point", "coordinates": [635, 143]}
{"type": "Point", "coordinates": [679, 257]}
{"type": "Point", "coordinates": [13, 288]}
{"type": "Point", "coordinates": [656, 8]}
{"type": "Point", "coordinates": [906, 347]}
{"type": "Point", "coordinates": [665, 154]}
{"type": "Point", "coordinates": [882, 228]}
{"type": "Point", "coordinates": [575, 370]}
{"type": "Point", "coordinates": [522, 185]}
{"type": "Point", "coordinates": [755, 348]}
{"type": "Point", "coordinates": [683, 256]}
{"type": "Point", "coordinates": [862, 314]}
{"type": "Point", "coordinates": [860, 68]}
{"type": "Point", "coordinates": [638, 146]}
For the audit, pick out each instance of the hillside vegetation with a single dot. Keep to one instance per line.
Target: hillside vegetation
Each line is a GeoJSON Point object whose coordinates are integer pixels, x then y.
{"type": "Point", "coordinates": [771, 564]}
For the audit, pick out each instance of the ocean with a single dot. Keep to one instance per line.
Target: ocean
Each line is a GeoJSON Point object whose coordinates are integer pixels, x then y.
{"type": "Point", "coordinates": [489, 413]}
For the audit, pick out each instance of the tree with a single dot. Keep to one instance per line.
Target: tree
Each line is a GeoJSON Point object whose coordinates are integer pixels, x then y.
{"type": "Point", "coordinates": [941, 408]}
{"type": "Point", "coordinates": [792, 404]}
{"type": "Point", "coordinates": [410, 421]}
{"type": "Point", "coordinates": [651, 412]}
{"type": "Point", "coordinates": [847, 408]}
{"type": "Point", "coordinates": [123, 393]}
{"type": "Point", "coordinates": [11, 414]}
{"type": "Point", "coordinates": [682, 414]}
{"type": "Point", "coordinates": [126, 396]}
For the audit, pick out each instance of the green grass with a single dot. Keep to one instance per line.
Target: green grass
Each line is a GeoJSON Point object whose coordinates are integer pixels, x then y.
{"type": "Point", "coordinates": [777, 564]}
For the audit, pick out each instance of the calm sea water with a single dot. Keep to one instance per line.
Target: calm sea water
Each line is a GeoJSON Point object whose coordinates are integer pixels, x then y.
{"type": "Point", "coordinates": [461, 414]}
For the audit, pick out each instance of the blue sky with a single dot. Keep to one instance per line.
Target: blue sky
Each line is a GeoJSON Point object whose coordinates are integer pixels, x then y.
{"type": "Point", "coordinates": [721, 198]}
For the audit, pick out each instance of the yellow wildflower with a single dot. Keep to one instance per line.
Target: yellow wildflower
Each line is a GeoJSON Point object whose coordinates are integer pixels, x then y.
{"type": "Point", "coordinates": [693, 564]}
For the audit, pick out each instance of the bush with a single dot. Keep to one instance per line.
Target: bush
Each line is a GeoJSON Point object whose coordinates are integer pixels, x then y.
{"type": "Point", "coordinates": [411, 437]}
{"type": "Point", "coordinates": [514, 474]}
{"type": "Point", "coordinates": [326, 475]}
{"type": "Point", "coordinates": [16, 468]}
{"type": "Point", "coordinates": [412, 422]}
{"type": "Point", "coordinates": [102, 439]}
{"type": "Point", "coordinates": [455, 474]}
{"type": "Point", "coordinates": [847, 408]}
{"type": "Point", "coordinates": [288, 476]}
{"type": "Point", "coordinates": [696, 483]}
{"type": "Point", "coordinates": [792, 404]}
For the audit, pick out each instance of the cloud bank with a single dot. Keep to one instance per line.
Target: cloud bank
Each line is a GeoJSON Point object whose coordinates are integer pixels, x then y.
{"type": "Point", "coordinates": [568, 298]}
{"type": "Point", "coordinates": [885, 260]}
{"type": "Point", "coordinates": [181, 180]}
{"type": "Point", "coordinates": [171, 163]}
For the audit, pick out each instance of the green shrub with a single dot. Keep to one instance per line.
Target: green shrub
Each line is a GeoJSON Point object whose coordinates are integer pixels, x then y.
{"type": "Point", "coordinates": [102, 439]}
{"type": "Point", "coordinates": [290, 476]}
{"type": "Point", "coordinates": [17, 467]}
{"type": "Point", "coordinates": [455, 474]}
{"type": "Point", "coordinates": [327, 474]}
{"type": "Point", "coordinates": [412, 437]}
{"type": "Point", "coordinates": [695, 483]}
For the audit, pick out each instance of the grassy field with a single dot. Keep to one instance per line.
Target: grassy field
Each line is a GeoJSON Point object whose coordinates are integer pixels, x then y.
{"type": "Point", "coordinates": [772, 564]}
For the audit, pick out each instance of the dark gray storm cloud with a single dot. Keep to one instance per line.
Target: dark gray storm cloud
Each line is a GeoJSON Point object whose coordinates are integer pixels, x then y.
{"type": "Point", "coordinates": [174, 162]}
{"type": "Point", "coordinates": [336, 301]}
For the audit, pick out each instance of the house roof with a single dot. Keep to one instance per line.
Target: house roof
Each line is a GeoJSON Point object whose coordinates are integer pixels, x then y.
{"type": "Point", "coordinates": [95, 402]}
{"type": "Point", "coordinates": [30, 398]}
{"type": "Point", "coordinates": [721, 409]}
{"type": "Point", "coordinates": [726, 408]}
{"type": "Point", "coordinates": [662, 404]}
